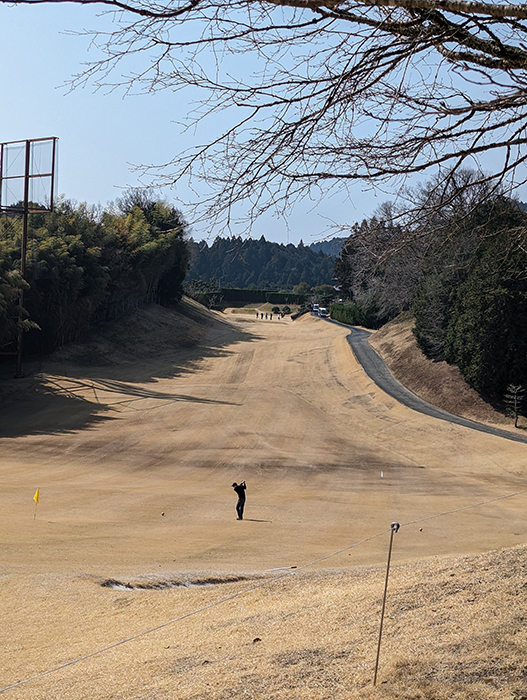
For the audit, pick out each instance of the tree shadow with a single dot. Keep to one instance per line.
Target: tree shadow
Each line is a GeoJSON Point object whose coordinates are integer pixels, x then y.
{"type": "Point", "coordinates": [67, 396]}
{"type": "Point", "coordinates": [30, 406]}
{"type": "Point", "coordinates": [176, 342]}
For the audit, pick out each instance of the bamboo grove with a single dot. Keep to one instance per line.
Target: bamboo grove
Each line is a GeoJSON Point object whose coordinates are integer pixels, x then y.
{"type": "Point", "coordinates": [86, 266]}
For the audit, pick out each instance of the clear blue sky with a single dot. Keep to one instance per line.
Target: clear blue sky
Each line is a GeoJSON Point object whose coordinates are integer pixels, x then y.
{"type": "Point", "coordinates": [103, 135]}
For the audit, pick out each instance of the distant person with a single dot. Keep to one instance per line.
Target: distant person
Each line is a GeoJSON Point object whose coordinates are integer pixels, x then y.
{"type": "Point", "coordinates": [240, 490]}
{"type": "Point", "coordinates": [266, 315]}
{"type": "Point", "coordinates": [270, 317]}
{"type": "Point", "coordinates": [261, 316]}
{"type": "Point", "coordinates": [257, 314]}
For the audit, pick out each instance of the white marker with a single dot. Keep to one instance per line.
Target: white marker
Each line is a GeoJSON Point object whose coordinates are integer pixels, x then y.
{"type": "Point", "coordinates": [382, 475]}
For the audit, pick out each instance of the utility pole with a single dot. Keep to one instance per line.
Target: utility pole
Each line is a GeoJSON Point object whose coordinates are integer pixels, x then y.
{"type": "Point", "coordinates": [23, 253]}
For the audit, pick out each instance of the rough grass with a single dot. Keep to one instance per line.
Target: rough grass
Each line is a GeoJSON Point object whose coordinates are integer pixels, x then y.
{"type": "Point", "coordinates": [142, 334]}
{"type": "Point", "coordinates": [454, 628]}
{"type": "Point", "coordinates": [438, 383]}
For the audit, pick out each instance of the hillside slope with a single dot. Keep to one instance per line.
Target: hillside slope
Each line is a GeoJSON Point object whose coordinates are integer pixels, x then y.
{"type": "Point", "coordinates": [438, 383]}
{"type": "Point", "coordinates": [454, 628]}
{"type": "Point", "coordinates": [145, 333]}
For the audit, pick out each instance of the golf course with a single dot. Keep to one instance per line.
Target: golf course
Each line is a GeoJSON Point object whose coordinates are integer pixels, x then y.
{"type": "Point", "coordinates": [132, 564]}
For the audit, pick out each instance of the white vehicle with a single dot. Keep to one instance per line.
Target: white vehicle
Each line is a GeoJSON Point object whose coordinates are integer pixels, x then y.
{"type": "Point", "coordinates": [316, 307]}
{"type": "Point", "coordinates": [322, 312]}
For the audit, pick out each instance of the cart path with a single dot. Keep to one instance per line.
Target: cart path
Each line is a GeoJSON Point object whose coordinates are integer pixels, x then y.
{"type": "Point", "coordinates": [377, 370]}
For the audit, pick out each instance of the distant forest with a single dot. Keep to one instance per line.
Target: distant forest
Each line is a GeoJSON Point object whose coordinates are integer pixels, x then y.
{"type": "Point", "coordinates": [259, 264]}
{"type": "Point", "coordinates": [333, 246]}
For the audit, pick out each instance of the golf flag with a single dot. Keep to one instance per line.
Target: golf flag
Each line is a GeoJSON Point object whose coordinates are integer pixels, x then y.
{"type": "Point", "coordinates": [35, 497]}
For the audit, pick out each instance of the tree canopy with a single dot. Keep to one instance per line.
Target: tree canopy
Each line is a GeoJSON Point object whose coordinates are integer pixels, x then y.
{"type": "Point", "coordinates": [259, 264]}
{"type": "Point", "coordinates": [462, 274]}
{"type": "Point", "coordinates": [85, 266]}
{"type": "Point", "coordinates": [328, 91]}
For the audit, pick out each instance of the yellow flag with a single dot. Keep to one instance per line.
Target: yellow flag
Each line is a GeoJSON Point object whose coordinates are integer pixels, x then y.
{"type": "Point", "coordinates": [35, 497]}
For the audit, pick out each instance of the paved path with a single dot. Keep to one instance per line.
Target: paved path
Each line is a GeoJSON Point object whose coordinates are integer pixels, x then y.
{"type": "Point", "coordinates": [378, 372]}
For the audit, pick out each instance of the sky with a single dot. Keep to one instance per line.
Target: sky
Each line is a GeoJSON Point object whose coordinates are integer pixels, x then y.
{"type": "Point", "coordinates": [103, 135]}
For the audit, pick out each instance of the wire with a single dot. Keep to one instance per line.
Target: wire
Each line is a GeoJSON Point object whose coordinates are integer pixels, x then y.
{"type": "Point", "coordinates": [186, 615]}
{"type": "Point", "coordinates": [457, 510]}
{"type": "Point", "coordinates": [248, 590]}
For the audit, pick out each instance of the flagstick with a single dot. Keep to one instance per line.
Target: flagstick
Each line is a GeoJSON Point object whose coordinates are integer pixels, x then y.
{"type": "Point", "coordinates": [36, 498]}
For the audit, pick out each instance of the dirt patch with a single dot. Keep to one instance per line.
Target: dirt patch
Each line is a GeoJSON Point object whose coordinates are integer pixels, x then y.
{"type": "Point", "coordinates": [439, 383]}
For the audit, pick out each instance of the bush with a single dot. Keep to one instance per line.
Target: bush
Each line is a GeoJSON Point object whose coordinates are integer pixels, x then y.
{"type": "Point", "coordinates": [301, 311]}
{"type": "Point", "coordinates": [286, 309]}
{"type": "Point", "coordinates": [275, 310]}
{"type": "Point", "coordinates": [353, 314]}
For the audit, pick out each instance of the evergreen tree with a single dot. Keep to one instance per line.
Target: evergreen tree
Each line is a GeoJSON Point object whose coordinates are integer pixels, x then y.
{"type": "Point", "coordinates": [487, 334]}
{"type": "Point", "coordinates": [85, 266]}
{"type": "Point", "coordinates": [259, 264]}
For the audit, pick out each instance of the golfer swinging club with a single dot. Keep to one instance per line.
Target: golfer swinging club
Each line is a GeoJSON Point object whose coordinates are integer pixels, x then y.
{"type": "Point", "coordinates": [240, 490]}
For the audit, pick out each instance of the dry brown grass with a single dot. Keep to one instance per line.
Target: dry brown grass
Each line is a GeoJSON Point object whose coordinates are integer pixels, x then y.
{"type": "Point", "coordinates": [142, 334]}
{"type": "Point", "coordinates": [438, 383]}
{"type": "Point", "coordinates": [135, 459]}
{"type": "Point", "coordinates": [454, 628]}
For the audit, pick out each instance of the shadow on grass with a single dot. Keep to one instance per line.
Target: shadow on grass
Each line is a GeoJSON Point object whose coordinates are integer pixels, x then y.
{"type": "Point", "coordinates": [75, 396]}
{"type": "Point", "coordinates": [33, 407]}
{"type": "Point", "coordinates": [155, 343]}
{"type": "Point", "coordinates": [254, 520]}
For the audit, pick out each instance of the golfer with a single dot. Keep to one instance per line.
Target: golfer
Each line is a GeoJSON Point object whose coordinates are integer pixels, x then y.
{"type": "Point", "coordinates": [240, 490]}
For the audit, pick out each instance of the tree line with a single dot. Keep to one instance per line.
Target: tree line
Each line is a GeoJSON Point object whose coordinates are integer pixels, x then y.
{"type": "Point", "coordinates": [87, 265]}
{"type": "Point", "coordinates": [458, 263]}
{"type": "Point", "coordinates": [259, 264]}
{"type": "Point", "coordinates": [460, 268]}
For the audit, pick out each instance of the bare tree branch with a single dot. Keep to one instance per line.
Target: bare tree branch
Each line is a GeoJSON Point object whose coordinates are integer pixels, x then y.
{"type": "Point", "coordinates": [496, 10]}
{"type": "Point", "coordinates": [324, 93]}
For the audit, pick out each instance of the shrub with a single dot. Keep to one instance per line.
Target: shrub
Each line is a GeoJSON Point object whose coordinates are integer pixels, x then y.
{"type": "Point", "coordinates": [353, 314]}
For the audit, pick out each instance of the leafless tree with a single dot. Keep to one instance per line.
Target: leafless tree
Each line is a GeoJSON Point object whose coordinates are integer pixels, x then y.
{"type": "Point", "coordinates": [323, 93]}
{"type": "Point", "coordinates": [513, 398]}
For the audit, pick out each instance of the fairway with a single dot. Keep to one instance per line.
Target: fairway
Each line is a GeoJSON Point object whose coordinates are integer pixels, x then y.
{"type": "Point", "coordinates": [135, 462]}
